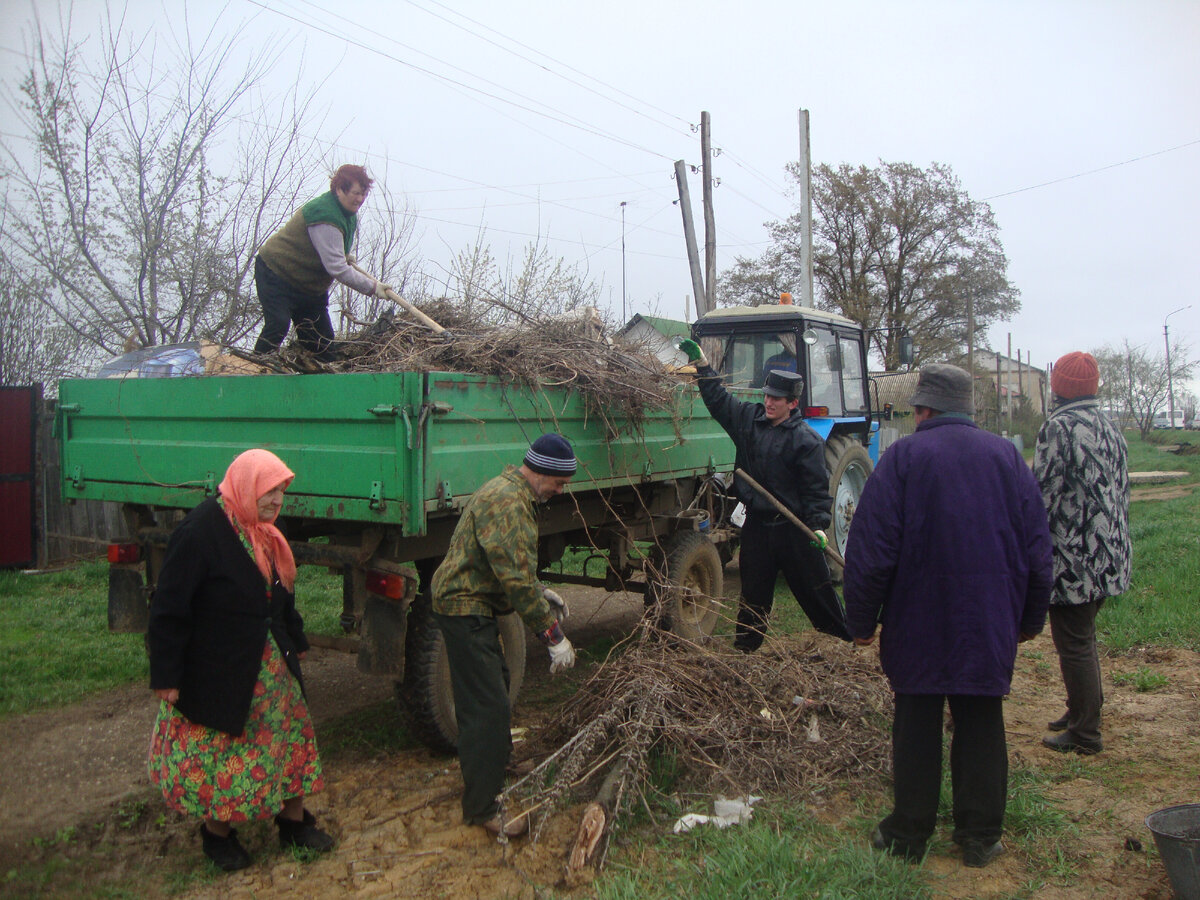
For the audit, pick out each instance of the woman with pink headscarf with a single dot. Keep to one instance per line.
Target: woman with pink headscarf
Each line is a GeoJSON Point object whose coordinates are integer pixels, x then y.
{"type": "Point", "coordinates": [233, 740]}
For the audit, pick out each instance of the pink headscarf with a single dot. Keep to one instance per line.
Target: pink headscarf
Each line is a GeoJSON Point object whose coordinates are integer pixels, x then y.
{"type": "Point", "coordinates": [251, 475]}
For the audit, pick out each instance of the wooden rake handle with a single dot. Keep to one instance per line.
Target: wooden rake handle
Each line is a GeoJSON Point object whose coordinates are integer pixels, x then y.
{"type": "Point", "coordinates": [787, 514]}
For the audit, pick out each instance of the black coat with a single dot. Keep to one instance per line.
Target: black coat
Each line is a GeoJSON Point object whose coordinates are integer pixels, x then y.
{"type": "Point", "coordinates": [787, 459]}
{"type": "Point", "coordinates": [209, 617]}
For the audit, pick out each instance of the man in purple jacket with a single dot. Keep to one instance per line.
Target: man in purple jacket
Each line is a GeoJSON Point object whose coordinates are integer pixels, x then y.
{"type": "Point", "coordinates": [949, 553]}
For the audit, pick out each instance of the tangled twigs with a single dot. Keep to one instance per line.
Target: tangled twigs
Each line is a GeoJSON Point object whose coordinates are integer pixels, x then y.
{"type": "Point", "coordinates": [800, 714]}
{"type": "Point", "coordinates": [618, 380]}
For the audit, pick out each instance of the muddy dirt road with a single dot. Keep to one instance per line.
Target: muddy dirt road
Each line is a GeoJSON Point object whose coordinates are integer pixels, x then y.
{"type": "Point", "coordinates": [74, 779]}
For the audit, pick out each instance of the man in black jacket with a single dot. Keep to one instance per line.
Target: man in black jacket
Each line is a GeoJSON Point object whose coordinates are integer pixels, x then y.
{"type": "Point", "coordinates": [780, 451]}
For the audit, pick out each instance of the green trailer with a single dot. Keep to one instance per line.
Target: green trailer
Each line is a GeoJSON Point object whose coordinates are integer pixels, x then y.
{"type": "Point", "coordinates": [384, 463]}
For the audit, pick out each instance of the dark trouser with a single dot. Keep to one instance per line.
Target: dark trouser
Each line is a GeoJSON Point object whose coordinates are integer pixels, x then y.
{"type": "Point", "coordinates": [978, 770]}
{"type": "Point", "coordinates": [282, 304]}
{"type": "Point", "coordinates": [479, 679]}
{"type": "Point", "coordinates": [1073, 629]}
{"type": "Point", "coordinates": [767, 550]}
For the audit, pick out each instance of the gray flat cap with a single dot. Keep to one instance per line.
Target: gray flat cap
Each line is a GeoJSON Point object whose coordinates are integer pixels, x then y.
{"type": "Point", "coordinates": [945, 388]}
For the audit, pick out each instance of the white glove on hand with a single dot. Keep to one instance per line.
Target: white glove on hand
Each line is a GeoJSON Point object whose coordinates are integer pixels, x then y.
{"type": "Point", "coordinates": [558, 605]}
{"type": "Point", "coordinates": [351, 260]}
{"type": "Point", "coordinates": [821, 542]}
{"type": "Point", "coordinates": [562, 656]}
{"type": "Point", "coordinates": [381, 290]}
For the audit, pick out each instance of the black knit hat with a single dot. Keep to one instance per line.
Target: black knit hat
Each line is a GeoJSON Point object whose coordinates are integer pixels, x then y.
{"type": "Point", "coordinates": [551, 454]}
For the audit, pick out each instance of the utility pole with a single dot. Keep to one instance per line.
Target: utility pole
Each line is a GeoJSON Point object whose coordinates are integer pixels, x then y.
{"type": "Point", "coordinates": [624, 314]}
{"type": "Point", "coordinates": [710, 222]}
{"type": "Point", "coordinates": [1170, 387]}
{"type": "Point", "coordinates": [689, 236]}
{"type": "Point", "coordinates": [971, 341]}
{"type": "Point", "coordinates": [1008, 381]}
{"type": "Point", "coordinates": [806, 210]}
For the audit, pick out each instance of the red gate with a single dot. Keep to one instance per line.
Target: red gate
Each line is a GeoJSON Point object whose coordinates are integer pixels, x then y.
{"type": "Point", "coordinates": [18, 424]}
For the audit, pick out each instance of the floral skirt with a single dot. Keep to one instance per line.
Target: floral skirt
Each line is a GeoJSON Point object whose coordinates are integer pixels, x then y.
{"type": "Point", "coordinates": [206, 772]}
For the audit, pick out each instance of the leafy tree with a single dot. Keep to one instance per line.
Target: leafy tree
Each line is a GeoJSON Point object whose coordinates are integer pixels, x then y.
{"type": "Point", "coordinates": [117, 202]}
{"type": "Point", "coordinates": [1134, 381]}
{"type": "Point", "coordinates": [896, 248]}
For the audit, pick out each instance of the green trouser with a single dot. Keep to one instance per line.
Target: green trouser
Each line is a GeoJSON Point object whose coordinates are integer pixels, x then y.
{"type": "Point", "coordinates": [479, 679]}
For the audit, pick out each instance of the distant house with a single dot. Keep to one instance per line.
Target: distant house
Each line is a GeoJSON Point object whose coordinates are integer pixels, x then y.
{"type": "Point", "coordinates": [658, 336]}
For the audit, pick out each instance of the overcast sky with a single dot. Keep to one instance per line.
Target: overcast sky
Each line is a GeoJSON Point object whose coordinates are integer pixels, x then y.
{"type": "Point", "coordinates": [1077, 120]}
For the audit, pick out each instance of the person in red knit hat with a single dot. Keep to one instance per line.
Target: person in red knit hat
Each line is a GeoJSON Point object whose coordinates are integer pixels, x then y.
{"type": "Point", "coordinates": [1080, 462]}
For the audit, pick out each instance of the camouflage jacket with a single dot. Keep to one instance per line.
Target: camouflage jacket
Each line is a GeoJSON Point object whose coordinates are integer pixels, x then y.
{"type": "Point", "coordinates": [491, 566]}
{"type": "Point", "coordinates": [1081, 464]}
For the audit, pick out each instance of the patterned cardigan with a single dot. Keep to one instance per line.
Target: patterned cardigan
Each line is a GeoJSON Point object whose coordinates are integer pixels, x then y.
{"type": "Point", "coordinates": [1081, 465]}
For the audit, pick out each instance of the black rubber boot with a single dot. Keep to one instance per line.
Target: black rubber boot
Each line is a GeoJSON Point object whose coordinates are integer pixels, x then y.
{"type": "Point", "coordinates": [304, 833]}
{"type": "Point", "coordinates": [227, 853]}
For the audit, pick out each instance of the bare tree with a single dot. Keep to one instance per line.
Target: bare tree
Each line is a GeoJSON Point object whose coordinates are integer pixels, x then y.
{"type": "Point", "coordinates": [896, 248]}
{"type": "Point", "coordinates": [33, 350]}
{"type": "Point", "coordinates": [157, 168]}
{"type": "Point", "coordinates": [536, 286]}
{"type": "Point", "coordinates": [1134, 381]}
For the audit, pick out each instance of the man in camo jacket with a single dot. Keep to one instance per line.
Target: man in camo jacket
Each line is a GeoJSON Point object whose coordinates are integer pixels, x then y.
{"type": "Point", "coordinates": [1081, 464]}
{"type": "Point", "coordinates": [491, 569]}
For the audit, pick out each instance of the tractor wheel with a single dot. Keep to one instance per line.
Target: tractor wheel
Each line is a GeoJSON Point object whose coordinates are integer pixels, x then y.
{"type": "Point", "coordinates": [426, 698]}
{"type": "Point", "coordinates": [849, 465]}
{"type": "Point", "coordinates": [690, 597]}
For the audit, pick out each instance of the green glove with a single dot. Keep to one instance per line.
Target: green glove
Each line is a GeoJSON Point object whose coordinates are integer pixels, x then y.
{"type": "Point", "coordinates": [821, 541]}
{"type": "Point", "coordinates": [692, 349]}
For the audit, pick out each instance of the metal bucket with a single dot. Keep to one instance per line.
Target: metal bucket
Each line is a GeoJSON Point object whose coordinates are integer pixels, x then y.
{"type": "Point", "coordinates": [1176, 832]}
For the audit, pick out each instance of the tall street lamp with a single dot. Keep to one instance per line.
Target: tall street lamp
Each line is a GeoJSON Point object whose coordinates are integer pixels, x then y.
{"type": "Point", "coordinates": [624, 314]}
{"type": "Point", "coordinates": [1170, 387]}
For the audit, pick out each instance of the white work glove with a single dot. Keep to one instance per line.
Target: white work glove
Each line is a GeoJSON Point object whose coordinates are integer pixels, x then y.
{"type": "Point", "coordinates": [558, 605]}
{"type": "Point", "coordinates": [351, 260]}
{"type": "Point", "coordinates": [821, 541]}
{"type": "Point", "coordinates": [381, 290]}
{"type": "Point", "coordinates": [562, 656]}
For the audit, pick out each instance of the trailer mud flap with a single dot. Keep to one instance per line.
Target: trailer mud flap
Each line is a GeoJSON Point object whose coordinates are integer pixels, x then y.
{"type": "Point", "coordinates": [128, 608]}
{"type": "Point", "coordinates": [381, 647]}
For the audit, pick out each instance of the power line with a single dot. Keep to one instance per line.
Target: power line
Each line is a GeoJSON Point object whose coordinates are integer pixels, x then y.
{"type": "Point", "coordinates": [546, 68]}
{"type": "Point", "coordinates": [1034, 187]}
{"type": "Point", "coordinates": [452, 81]}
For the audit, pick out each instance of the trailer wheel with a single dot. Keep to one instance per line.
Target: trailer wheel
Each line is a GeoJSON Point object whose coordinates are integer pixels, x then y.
{"type": "Point", "coordinates": [426, 699]}
{"type": "Point", "coordinates": [694, 581]}
{"type": "Point", "coordinates": [849, 465]}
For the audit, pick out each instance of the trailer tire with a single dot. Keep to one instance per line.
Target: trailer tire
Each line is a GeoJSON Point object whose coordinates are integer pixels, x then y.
{"type": "Point", "coordinates": [849, 466]}
{"type": "Point", "coordinates": [695, 579]}
{"type": "Point", "coordinates": [425, 695]}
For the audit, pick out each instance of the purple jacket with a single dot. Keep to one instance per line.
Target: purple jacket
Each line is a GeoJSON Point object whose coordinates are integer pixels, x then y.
{"type": "Point", "coordinates": [950, 552]}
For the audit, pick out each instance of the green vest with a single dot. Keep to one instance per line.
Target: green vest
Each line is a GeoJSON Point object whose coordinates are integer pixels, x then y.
{"type": "Point", "coordinates": [290, 254]}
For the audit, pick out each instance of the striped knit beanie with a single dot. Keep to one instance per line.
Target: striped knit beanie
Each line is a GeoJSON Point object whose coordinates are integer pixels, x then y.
{"type": "Point", "coordinates": [551, 454]}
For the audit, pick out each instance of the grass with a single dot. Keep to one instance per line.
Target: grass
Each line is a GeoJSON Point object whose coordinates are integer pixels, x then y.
{"type": "Point", "coordinates": [789, 849]}
{"type": "Point", "coordinates": [55, 646]}
{"type": "Point", "coordinates": [1159, 609]}
{"type": "Point", "coordinates": [786, 853]}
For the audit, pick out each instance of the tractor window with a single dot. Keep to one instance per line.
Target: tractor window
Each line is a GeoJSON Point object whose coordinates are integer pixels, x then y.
{"type": "Point", "coordinates": [751, 356]}
{"type": "Point", "coordinates": [854, 384]}
{"type": "Point", "coordinates": [825, 364]}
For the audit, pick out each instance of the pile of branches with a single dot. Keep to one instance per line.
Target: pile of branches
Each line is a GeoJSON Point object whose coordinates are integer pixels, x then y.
{"type": "Point", "coordinates": [619, 378]}
{"type": "Point", "coordinates": [799, 715]}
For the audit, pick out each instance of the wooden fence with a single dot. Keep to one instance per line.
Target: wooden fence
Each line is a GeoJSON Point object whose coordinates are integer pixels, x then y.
{"type": "Point", "coordinates": [67, 532]}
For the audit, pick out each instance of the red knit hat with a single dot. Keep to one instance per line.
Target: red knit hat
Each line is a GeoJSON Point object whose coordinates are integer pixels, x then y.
{"type": "Point", "coordinates": [1075, 375]}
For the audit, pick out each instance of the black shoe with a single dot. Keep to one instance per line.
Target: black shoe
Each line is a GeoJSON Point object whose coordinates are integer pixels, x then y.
{"type": "Point", "coordinates": [227, 853]}
{"type": "Point", "coordinates": [1059, 724]}
{"type": "Point", "coordinates": [977, 855]}
{"type": "Point", "coordinates": [912, 854]}
{"type": "Point", "coordinates": [304, 834]}
{"type": "Point", "coordinates": [1067, 743]}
